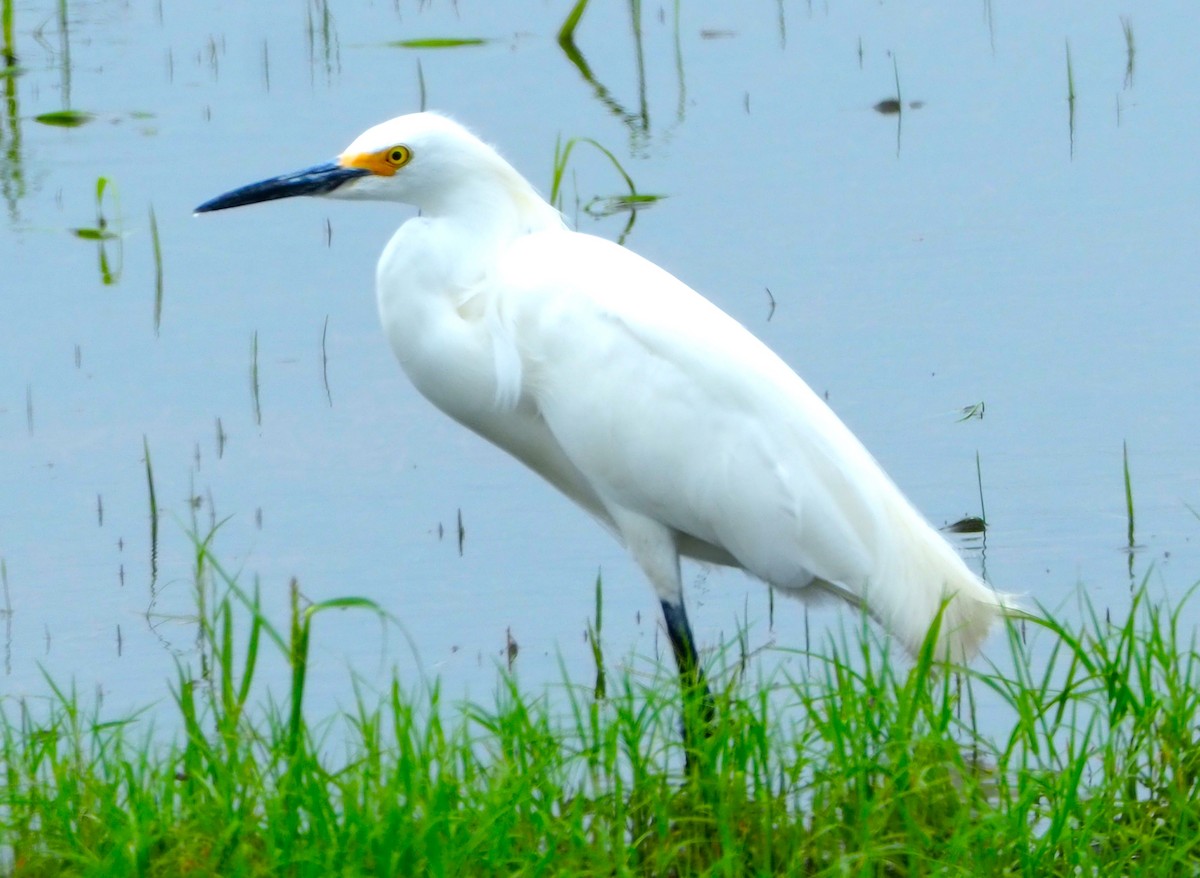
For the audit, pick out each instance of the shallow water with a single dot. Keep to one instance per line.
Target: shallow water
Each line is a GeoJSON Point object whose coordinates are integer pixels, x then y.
{"type": "Point", "coordinates": [998, 243]}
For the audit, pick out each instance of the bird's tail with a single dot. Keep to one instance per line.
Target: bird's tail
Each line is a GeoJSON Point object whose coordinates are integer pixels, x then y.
{"type": "Point", "coordinates": [921, 575]}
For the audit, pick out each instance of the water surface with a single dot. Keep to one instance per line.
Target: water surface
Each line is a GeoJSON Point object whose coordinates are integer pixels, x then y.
{"type": "Point", "coordinates": [1023, 241]}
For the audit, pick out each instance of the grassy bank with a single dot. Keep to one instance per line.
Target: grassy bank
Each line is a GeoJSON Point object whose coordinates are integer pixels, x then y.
{"type": "Point", "coordinates": [865, 766]}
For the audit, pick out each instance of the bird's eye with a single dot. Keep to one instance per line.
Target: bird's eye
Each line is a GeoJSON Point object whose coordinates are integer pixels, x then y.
{"type": "Point", "coordinates": [398, 155]}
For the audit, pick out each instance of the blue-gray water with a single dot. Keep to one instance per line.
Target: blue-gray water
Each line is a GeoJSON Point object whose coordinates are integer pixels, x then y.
{"type": "Point", "coordinates": [994, 244]}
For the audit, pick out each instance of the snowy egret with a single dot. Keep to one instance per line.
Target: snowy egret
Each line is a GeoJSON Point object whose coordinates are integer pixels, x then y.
{"type": "Point", "coordinates": [639, 399]}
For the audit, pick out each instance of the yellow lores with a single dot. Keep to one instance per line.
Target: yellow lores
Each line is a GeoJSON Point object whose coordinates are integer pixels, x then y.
{"type": "Point", "coordinates": [384, 162]}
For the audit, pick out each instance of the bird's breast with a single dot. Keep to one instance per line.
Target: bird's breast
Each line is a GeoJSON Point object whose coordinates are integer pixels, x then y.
{"type": "Point", "coordinates": [441, 316]}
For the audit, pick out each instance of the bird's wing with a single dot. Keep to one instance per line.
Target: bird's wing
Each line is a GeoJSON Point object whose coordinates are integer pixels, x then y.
{"type": "Point", "coordinates": [672, 409]}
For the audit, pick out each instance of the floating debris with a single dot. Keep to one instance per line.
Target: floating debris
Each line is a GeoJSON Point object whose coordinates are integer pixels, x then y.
{"type": "Point", "coordinates": [439, 43]}
{"type": "Point", "coordinates": [892, 106]}
{"type": "Point", "coordinates": [65, 118]}
{"type": "Point", "coordinates": [972, 524]}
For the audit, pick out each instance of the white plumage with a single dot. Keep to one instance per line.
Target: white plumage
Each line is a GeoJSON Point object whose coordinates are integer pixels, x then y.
{"type": "Point", "coordinates": [632, 394]}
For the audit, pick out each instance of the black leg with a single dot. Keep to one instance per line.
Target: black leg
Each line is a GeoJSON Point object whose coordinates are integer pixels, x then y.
{"type": "Point", "coordinates": [697, 700]}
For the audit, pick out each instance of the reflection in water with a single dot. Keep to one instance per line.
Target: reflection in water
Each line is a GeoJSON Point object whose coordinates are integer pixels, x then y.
{"type": "Point", "coordinates": [325, 362]}
{"type": "Point", "coordinates": [637, 121]}
{"type": "Point", "coordinates": [7, 613]}
{"type": "Point", "coordinates": [974, 528]}
{"type": "Point", "coordinates": [254, 379]}
{"type": "Point", "coordinates": [158, 271]}
{"type": "Point", "coordinates": [1127, 29]}
{"type": "Point", "coordinates": [983, 533]}
{"type": "Point", "coordinates": [682, 102]}
{"type": "Point", "coordinates": [890, 106]}
{"type": "Point", "coordinates": [108, 274]}
{"type": "Point", "coordinates": [64, 66]}
{"type": "Point", "coordinates": [1130, 50]}
{"type": "Point", "coordinates": [12, 177]}
{"type": "Point", "coordinates": [6, 34]}
{"type": "Point", "coordinates": [1070, 99]}
{"type": "Point", "coordinates": [102, 235]}
{"type": "Point", "coordinates": [1131, 542]}
{"type": "Point", "coordinates": [899, 103]}
{"type": "Point", "coordinates": [153, 518]}
{"type": "Point", "coordinates": [599, 205]}
{"type": "Point", "coordinates": [321, 27]}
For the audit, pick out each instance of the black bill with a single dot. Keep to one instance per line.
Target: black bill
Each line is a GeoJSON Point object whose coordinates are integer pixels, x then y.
{"type": "Point", "coordinates": [317, 180]}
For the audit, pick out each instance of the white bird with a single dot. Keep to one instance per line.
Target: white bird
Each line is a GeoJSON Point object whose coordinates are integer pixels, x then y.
{"type": "Point", "coordinates": [635, 396]}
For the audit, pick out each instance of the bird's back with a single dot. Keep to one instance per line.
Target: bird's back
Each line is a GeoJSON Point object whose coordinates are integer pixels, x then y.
{"type": "Point", "coordinates": [670, 408]}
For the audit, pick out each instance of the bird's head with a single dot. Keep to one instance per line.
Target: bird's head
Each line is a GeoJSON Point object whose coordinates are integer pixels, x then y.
{"type": "Point", "coordinates": [417, 159]}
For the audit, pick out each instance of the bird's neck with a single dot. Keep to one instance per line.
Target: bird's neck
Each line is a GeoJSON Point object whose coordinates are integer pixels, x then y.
{"type": "Point", "coordinates": [498, 203]}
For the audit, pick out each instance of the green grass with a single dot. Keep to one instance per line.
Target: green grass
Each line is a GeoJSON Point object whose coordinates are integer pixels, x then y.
{"type": "Point", "coordinates": [7, 51]}
{"type": "Point", "coordinates": [598, 205]}
{"type": "Point", "coordinates": [103, 234]}
{"type": "Point", "coordinates": [439, 43]}
{"type": "Point", "coordinates": [862, 766]}
{"type": "Point", "coordinates": [1130, 49]}
{"type": "Point", "coordinates": [153, 511]}
{"type": "Point", "coordinates": [65, 118]}
{"type": "Point", "coordinates": [158, 271]}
